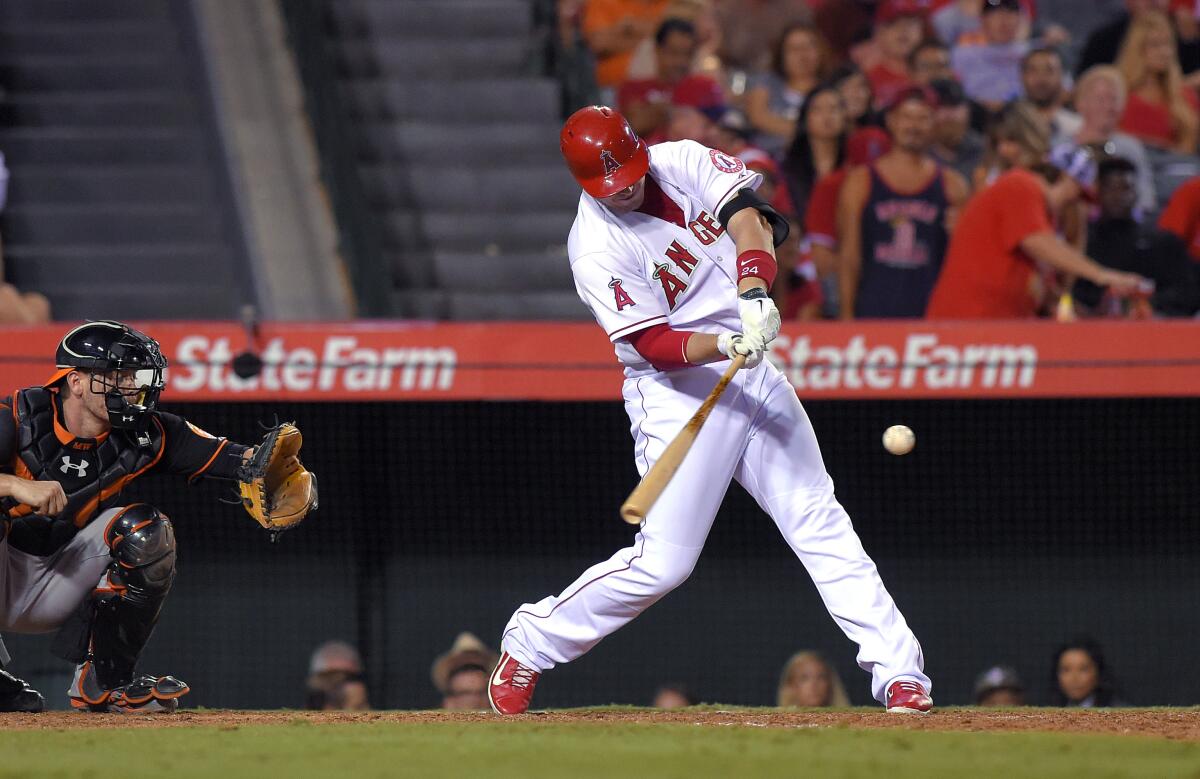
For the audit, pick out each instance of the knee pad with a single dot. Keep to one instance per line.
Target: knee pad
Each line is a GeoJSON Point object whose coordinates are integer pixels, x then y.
{"type": "Point", "coordinates": [143, 549]}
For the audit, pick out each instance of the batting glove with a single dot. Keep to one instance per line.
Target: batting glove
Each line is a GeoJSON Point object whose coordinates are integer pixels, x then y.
{"type": "Point", "coordinates": [759, 315]}
{"type": "Point", "coordinates": [733, 344]}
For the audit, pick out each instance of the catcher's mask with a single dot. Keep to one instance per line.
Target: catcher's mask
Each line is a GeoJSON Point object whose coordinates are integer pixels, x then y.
{"type": "Point", "coordinates": [124, 365]}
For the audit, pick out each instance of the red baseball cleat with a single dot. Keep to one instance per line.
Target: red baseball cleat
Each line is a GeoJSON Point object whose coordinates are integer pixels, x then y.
{"type": "Point", "coordinates": [905, 697]}
{"type": "Point", "coordinates": [511, 686]}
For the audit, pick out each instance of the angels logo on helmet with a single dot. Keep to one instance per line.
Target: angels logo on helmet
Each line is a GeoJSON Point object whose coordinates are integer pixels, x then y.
{"type": "Point", "coordinates": [611, 166]}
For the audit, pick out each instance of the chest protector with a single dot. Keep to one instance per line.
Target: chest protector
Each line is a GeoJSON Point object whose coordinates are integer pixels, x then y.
{"type": "Point", "coordinates": [92, 471]}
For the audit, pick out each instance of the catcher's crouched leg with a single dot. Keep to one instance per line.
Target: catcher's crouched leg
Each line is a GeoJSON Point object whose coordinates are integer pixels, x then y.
{"type": "Point", "coordinates": [120, 617]}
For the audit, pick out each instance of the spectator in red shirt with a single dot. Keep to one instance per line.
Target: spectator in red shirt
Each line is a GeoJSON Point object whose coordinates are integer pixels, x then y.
{"type": "Point", "coordinates": [899, 29]}
{"type": "Point", "coordinates": [645, 103]}
{"type": "Point", "coordinates": [1161, 111]}
{"type": "Point", "coordinates": [1182, 216]}
{"type": "Point", "coordinates": [990, 270]}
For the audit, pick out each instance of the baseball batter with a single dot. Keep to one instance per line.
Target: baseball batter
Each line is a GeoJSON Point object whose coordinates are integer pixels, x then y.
{"type": "Point", "coordinates": [673, 252]}
{"type": "Point", "coordinates": [73, 559]}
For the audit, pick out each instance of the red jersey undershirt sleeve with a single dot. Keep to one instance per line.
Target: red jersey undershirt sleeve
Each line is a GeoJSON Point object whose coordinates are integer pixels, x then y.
{"type": "Point", "coordinates": [618, 295]}
{"type": "Point", "coordinates": [662, 347]}
{"type": "Point", "coordinates": [1021, 207]}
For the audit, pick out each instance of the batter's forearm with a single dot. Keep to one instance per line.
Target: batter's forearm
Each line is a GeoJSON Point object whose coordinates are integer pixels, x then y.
{"type": "Point", "coordinates": [751, 232]}
{"type": "Point", "coordinates": [702, 348]}
{"type": "Point", "coordinates": [7, 482]}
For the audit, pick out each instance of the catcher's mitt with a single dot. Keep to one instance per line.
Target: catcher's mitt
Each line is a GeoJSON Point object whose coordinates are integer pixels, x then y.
{"type": "Point", "coordinates": [275, 488]}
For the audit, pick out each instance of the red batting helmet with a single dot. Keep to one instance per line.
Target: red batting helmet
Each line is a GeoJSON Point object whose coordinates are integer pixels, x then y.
{"type": "Point", "coordinates": [603, 152]}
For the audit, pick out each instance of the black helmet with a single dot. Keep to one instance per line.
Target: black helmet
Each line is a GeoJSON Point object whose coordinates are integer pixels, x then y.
{"type": "Point", "coordinates": [105, 347]}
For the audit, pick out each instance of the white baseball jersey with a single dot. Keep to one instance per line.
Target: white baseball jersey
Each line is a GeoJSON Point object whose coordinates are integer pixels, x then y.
{"type": "Point", "coordinates": [669, 262]}
{"type": "Point", "coordinates": [672, 262]}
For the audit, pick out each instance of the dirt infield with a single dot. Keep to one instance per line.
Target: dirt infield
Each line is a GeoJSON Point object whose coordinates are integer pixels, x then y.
{"type": "Point", "coordinates": [1173, 724]}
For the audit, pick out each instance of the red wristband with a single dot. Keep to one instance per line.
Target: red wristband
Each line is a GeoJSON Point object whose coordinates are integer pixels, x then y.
{"type": "Point", "coordinates": [757, 263]}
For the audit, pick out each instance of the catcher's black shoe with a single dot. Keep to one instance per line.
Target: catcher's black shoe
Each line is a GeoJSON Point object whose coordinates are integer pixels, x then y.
{"type": "Point", "coordinates": [145, 694]}
{"type": "Point", "coordinates": [16, 695]}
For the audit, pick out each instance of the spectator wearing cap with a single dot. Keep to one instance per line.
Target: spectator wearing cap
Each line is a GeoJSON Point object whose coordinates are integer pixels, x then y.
{"type": "Point", "coordinates": [899, 30]}
{"type": "Point", "coordinates": [1161, 111]}
{"type": "Point", "coordinates": [335, 680]}
{"type": "Point", "coordinates": [895, 216]}
{"type": "Point", "coordinates": [820, 244]}
{"type": "Point", "coordinates": [1119, 241]}
{"type": "Point", "coordinates": [773, 103]}
{"type": "Point", "coordinates": [955, 143]}
{"type": "Point", "coordinates": [929, 62]}
{"type": "Point", "coordinates": [1100, 99]}
{"type": "Point", "coordinates": [1182, 216]}
{"type": "Point", "coordinates": [955, 21]}
{"type": "Point", "coordinates": [999, 686]}
{"type": "Point", "coordinates": [990, 270]}
{"type": "Point", "coordinates": [990, 72]}
{"type": "Point", "coordinates": [613, 29]}
{"type": "Point", "coordinates": [461, 674]}
{"type": "Point", "coordinates": [645, 102]}
{"type": "Point", "coordinates": [1043, 84]}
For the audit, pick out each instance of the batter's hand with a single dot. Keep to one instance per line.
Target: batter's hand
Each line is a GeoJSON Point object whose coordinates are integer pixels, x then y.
{"type": "Point", "coordinates": [759, 315]}
{"type": "Point", "coordinates": [44, 497]}
{"type": "Point", "coordinates": [733, 344]}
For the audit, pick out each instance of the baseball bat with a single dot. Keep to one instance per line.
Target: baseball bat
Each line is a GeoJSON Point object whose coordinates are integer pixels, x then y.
{"type": "Point", "coordinates": [646, 493]}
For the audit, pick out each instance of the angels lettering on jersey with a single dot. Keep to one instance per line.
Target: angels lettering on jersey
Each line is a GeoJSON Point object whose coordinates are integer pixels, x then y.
{"type": "Point", "coordinates": [669, 261]}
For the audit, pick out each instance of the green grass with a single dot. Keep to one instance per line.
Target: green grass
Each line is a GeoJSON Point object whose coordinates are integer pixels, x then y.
{"type": "Point", "coordinates": [502, 749]}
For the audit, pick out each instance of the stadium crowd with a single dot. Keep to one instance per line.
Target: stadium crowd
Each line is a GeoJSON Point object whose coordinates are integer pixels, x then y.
{"type": "Point", "coordinates": [938, 158]}
{"type": "Point", "coordinates": [1079, 676]}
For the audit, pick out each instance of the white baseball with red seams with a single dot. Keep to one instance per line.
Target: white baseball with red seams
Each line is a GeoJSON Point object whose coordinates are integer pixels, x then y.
{"type": "Point", "coordinates": [678, 266]}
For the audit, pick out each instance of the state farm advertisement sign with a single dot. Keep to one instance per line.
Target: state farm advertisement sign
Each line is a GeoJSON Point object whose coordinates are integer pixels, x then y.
{"type": "Point", "coordinates": [574, 361]}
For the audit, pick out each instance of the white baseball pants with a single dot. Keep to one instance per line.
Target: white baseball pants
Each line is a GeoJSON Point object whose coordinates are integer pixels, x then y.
{"type": "Point", "coordinates": [758, 434]}
{"type": "Point", "coordinates": [37, 594]}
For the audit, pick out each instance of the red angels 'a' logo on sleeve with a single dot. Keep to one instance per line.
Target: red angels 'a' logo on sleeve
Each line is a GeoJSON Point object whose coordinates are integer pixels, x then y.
{"type": "Point", "coordinates": [620, 296]}
{"type": "Point", "coordinates": [725, 163]}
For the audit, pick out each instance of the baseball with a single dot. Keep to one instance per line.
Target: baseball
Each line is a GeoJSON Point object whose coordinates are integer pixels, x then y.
{"type": "Point", "coordinates": [898, 439]}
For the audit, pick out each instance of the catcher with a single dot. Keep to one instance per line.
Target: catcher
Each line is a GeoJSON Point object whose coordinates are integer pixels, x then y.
{"type": "Point", "coordinates": [73, 559]}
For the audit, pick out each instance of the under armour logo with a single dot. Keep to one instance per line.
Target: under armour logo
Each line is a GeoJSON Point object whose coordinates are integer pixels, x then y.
{"type": "Point", "coordinates": [610, 164]}
{"type": "Point", "coordinates": [80, 467]}
{"type": "Point", "coordinates": [125, 418]}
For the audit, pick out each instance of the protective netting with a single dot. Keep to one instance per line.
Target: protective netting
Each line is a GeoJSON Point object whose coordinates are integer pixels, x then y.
{"type": "Point", "coordinates": [1012, 526]}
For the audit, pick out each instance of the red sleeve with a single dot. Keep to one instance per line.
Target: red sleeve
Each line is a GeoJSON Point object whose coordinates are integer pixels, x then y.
{"type": "Point", "coordinates": [1179, 217]}
{"type": "Point", "coordinates": [820, 223]}
{"type": "Point", "coordinates": [664, 348]}
{"type": "Point", "coordinates": [1021, 208]}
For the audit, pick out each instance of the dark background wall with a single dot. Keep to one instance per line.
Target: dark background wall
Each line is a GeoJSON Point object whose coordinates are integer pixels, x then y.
{"type": "Point", "coordinates": [1012, 526]}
